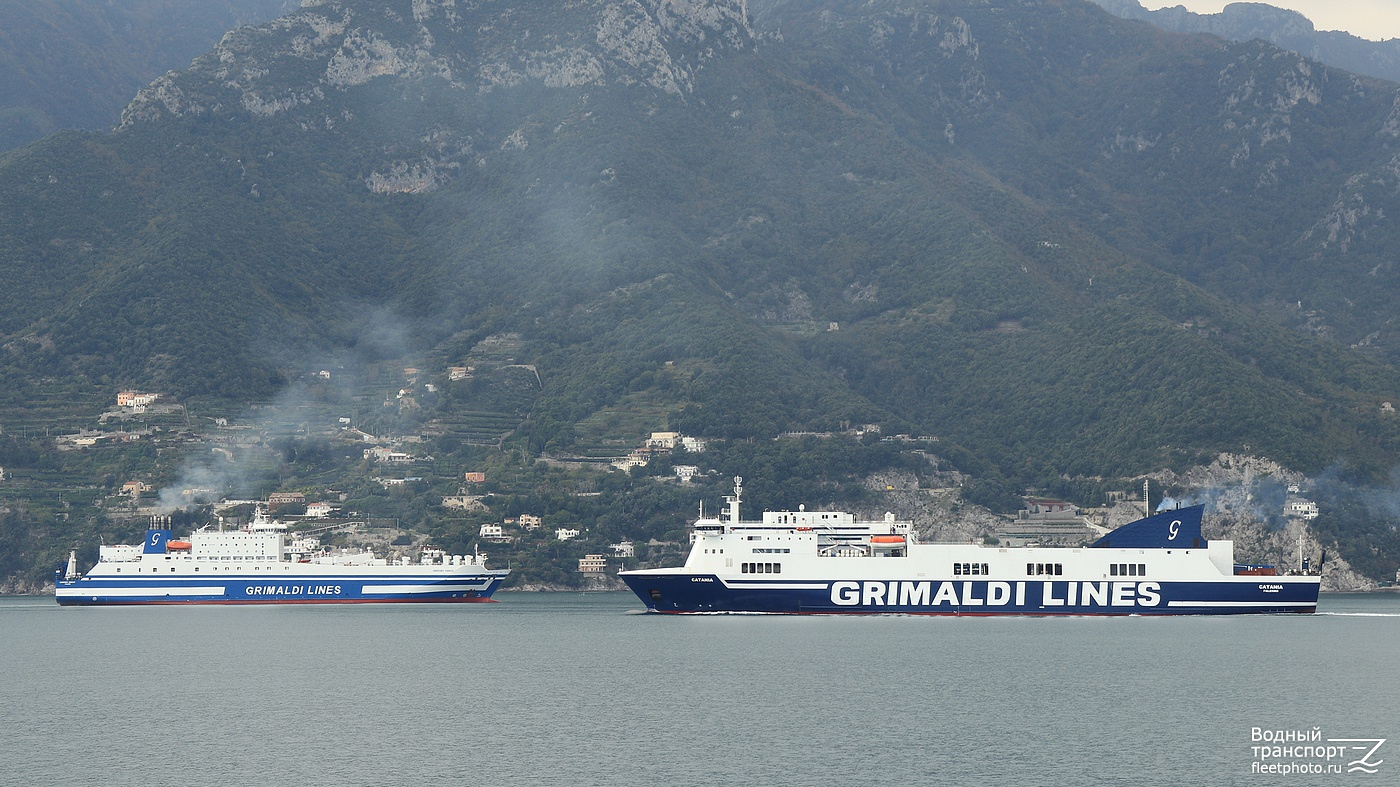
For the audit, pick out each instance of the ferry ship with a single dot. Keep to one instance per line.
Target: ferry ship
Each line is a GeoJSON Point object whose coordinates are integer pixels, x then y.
{"type": "Point", "coordinates": [826, 562]}
{"type": "Point", "coordinates": [262, 563]}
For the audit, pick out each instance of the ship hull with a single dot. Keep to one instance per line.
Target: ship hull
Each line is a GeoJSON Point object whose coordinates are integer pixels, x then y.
{"type": "Point", "coordinates": [326, 588]}
{"type": "Point", "coordinates": [678, 593]}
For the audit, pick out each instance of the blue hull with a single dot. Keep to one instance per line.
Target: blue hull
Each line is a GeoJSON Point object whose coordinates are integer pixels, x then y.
{"type": "Point", "coordinates": [264, 590]}
{"type": "Point", "coordinates": [700, 593]}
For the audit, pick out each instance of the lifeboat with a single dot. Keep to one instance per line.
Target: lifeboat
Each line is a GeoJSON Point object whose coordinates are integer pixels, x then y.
{"type": "Point", "coordinates": [178, 546]}
{"type": "Point", "coordinates": [887, 539]}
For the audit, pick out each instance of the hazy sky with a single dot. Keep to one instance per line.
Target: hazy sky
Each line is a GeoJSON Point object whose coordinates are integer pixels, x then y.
{"type": "Point", "coordinates": [1373, 19]}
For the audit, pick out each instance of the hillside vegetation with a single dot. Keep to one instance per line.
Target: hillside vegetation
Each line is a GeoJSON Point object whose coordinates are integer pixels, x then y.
{"type": "Point", "coordinates": [1065, 244]}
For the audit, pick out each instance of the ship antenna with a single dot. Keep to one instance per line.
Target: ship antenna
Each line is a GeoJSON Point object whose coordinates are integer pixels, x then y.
{"type": "Point", "coordinates": [734, 500]}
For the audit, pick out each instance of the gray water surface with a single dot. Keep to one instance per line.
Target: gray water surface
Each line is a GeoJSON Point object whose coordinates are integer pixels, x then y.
{"type": "Point", "coordinates": [575, 689]}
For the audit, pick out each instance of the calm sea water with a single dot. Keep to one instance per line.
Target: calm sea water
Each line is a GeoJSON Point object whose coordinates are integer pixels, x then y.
{"type": "Point", "coordinates": [565, 689]}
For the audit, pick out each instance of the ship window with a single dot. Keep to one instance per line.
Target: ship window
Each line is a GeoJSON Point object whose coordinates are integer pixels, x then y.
{"type": "Point", "coordinates": [976, 569]}
{"type": "Point", "coordinates": [1113, 569]}
{"type": "Point", "coordinates": [1059, 569]}
{"type": "Point", "coordinates": [1142, 569]}
{"type": "Point", "coordinates": [743, 568]}
{"type": "Point", "coordinates": [1030, 569]}
{"type": "Point", "coordinates": [985, 572]}
{"type": "Point", "coordinates": [777, 568]}
{"type": "Point", "coordinates": [1132, 569]}
{"type": "Point", "coordinates": [957, 569]}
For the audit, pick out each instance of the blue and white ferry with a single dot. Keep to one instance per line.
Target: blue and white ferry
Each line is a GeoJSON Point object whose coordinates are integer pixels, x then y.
{"type": "Point", "coordinates": [826, 562]}
{"type": "Point", "coordinates": [263, 564]}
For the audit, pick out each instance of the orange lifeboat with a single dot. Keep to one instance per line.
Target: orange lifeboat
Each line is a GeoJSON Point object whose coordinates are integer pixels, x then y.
{"type": "Point", "coordinates": [887, 539]}
{"type": "Point", "coordinates": [177, 546]}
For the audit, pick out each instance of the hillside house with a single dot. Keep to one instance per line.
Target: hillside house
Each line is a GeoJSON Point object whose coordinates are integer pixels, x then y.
{"type": "Point", "coordinates": [1300, 508]}
{"type": "Point", "coordinates": [663, 440]}
{"type": "Point", "coordinates": [565, 533]}
{"type": "Point", "coordinates": [638, 458]}
{"type": "Point", "coordinates": [136, 398]}
{"type": "Point", "coordinates": [319, 510]}
{"type": "Point", "coordinates": [592, 564]}
{"type": "Point", "coordinates": [382, 454]}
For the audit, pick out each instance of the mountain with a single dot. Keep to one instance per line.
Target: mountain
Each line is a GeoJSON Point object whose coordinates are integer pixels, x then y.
{"type": "Point", "coordinates": [1279, 26]}
{"type": "Point", "coordinates": [76, 63]}
{"type": "Point", "coordinates": [1065, 244]}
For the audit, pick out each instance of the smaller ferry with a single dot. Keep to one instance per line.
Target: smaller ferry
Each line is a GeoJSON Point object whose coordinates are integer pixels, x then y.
{"type": "Point", "coordinates": [262, 563]}
{"type": "Point", "coordinates": [827, 562]}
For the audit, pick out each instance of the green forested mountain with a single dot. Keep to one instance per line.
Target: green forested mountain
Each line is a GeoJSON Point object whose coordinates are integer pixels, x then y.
{"type": "Point", "coordinates": [76, 63]}
{"type": "Point", "coordinates": [1062, 242]}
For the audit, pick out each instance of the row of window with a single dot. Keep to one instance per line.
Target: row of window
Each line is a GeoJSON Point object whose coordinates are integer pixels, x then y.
{"type": "Point", "coordinates": [761, 568]}
{"type": "Point", "coordinates": [1127, 569]}
{"type": "Point", "coordinates": [1050, 569]}
{"type": "Point", "coordinates": [236, 557]}
{"type": "Point", "coordinates": [773, 550]}
{"type": "Point", "coordinates": [971, 569]}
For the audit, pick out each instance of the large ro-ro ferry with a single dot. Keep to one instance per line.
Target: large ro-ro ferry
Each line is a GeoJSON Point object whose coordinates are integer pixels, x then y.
{"type": "Point", "coordinates": [262, 563]}
{"type": "Point", "coordinates": [826, 562]}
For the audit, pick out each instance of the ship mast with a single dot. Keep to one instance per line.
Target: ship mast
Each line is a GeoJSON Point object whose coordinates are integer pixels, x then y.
{"type": "Point", "coordinates": [733, 501]}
